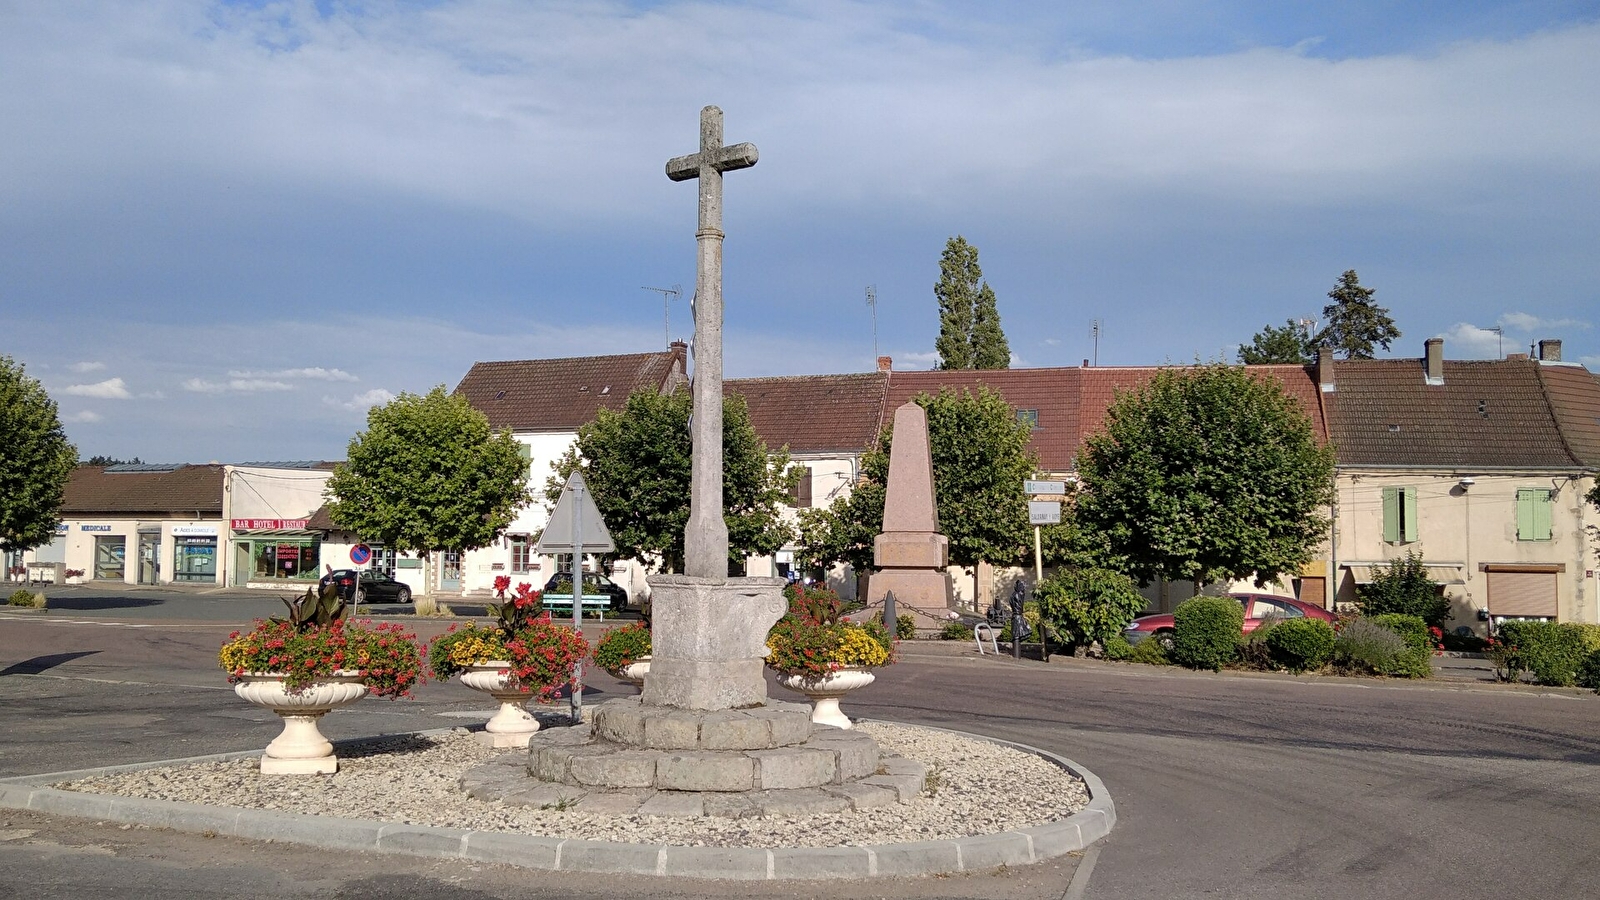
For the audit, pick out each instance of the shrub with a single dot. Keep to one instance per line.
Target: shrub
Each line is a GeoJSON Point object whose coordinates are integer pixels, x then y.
{"type": "Point", "coordinates": [1369, 648]}
{"type": "Point", "coordinates": [1412, 629]}
{"type": "Point", "coordinates": [622, 647]}
{"type": "Point", "coordinates": [1552, 651]}
{"type": "Point", "coordinates": [24, 597]}
{"type": "Point", "coordinates": [1206, 632]}
{"type": "Point", "coordinates": [1589, 672]}
{"type": "Point", "coordinates": [1117, 648]}
{"type": "Point", "coordinates": [1253, 651]}
{"type": "Point", "coordinates": [1301, 645]}
{"type": "Point", "coordinates": [905, 626]}
{"type": "Point", "coordinates": [1087, 605]}
{"type": "Point", "coordinates": [955, 631]}
{"type": "Point", "coordinates": [1150, 652]}
{"type": "Point", "coordinates": [1404, 587]}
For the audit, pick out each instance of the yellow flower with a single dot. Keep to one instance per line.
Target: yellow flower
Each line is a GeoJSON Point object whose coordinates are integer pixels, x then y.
{"type": "Point", "coordinates": [857, 648]}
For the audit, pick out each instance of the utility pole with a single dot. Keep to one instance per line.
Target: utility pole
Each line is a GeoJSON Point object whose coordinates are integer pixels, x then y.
{"type": "Point", "coordinates": [667, 296]}
{"type": "Point", "coordinates": [1095, 327]}
{"type": "Point", "coordinates": [872, 301]}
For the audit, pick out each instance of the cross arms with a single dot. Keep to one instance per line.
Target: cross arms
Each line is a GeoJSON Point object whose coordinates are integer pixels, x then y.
{"type": "Point", "coordinates": [721, 159]}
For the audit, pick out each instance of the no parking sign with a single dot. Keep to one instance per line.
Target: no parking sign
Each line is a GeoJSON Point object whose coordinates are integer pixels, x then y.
{"type": "Point", "coordinates": [361, 554]}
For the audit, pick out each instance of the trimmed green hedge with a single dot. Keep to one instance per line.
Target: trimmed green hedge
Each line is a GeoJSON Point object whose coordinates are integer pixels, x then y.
{"type": "Point", "coordinates": [1301, 645]}
{"type": "Point", "coordinates": [1206, 632]}
{"type": "Point", "coordinates": [1412, 629]}
{"type": "Point", "coordinates": [1552, 651]}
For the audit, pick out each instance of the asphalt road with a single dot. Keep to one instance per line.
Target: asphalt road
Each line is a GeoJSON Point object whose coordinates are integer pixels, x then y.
{"type": "Point", "coordinates": [1225, 786]}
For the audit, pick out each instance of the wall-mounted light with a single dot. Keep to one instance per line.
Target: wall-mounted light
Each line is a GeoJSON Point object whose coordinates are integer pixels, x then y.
{"type": "Point", "coordinates": [1466, 483]}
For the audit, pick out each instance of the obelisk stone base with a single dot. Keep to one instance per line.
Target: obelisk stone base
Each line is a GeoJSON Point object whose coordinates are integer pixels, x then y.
{"type": "Point", "coordinates": [708, 640]}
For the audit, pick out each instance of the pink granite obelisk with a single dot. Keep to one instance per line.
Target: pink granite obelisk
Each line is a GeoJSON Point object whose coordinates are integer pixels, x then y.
{"type": "Point", "coordinates": [911, 554]}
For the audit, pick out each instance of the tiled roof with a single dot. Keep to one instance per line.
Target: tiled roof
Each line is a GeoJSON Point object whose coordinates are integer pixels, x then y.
{"type": "Point", "coordinates": [563, 394]}
{"type": "Point", "coordinates": [187, 490]}
{"type": "Point", "coordinates": [814, 413]}
{"type": "Point", "coordinates": [1574, 396]}
{"type": "Point", "coordinates": [1053, 392]}
{"type": "Point", "coordinates": [1487, 413]}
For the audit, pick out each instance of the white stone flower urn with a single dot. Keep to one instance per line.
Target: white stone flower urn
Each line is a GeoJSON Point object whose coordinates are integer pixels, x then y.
{"type": "Point", "coordinates": [824, 692]}
{"type": "Point", "coordinates": [633, 673]}
{"type": "Point", "coordinates": [512, 724]}
{"type": "Point", "coordinates": [300, 749]}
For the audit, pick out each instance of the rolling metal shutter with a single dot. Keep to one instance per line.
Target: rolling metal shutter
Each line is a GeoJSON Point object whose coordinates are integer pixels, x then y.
{"type": "Point", "coordinates": [1522, 593]}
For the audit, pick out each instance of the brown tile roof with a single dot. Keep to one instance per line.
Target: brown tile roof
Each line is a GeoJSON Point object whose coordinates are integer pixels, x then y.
{"type": "Point", "coordinates": [814, 413]}
{"type": "Point", "coordinates": [187, 490]}
{"type": "Point", "coordinates": [1574, 395]}
{"type": "Point", "coordinates": [1490, 413]}
{"type": "Point", "coordinates": [1051, 391]}
{"type": "Point", "coordinates": [563, 394]}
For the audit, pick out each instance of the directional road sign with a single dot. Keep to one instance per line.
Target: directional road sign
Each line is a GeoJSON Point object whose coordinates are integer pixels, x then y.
{"type": "Point", "coordinates": [1045, 487]}
{"type": "Point", "coordinates": [1044, 512]}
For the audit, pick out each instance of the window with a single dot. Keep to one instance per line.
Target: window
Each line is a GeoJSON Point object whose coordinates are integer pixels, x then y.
{"type": "Point", "coordinates": [1029, 417]}
{"type": "Point", "coordinates": [526, 452]}
{"type": "Point", "coordinates": [521, 553]}
{"type": "Point", "coordinates": [1265, 607]}
{"type": "Point", "coordinates": [284, 557]}
{"type": "Point", "coordinates": [1533, 513]}
{"type": "Point", "coordinates": [801, 495]}
{"type": "Point", "coordinates": [1399, 515]}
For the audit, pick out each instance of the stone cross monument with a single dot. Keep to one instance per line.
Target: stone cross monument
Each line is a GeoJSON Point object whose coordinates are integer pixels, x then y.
{"type": "Point", "coordinates": [706, 540]}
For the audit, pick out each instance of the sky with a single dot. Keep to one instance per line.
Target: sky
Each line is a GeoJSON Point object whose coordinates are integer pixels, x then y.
{"type": "Point", "coordinates": [227, 230]}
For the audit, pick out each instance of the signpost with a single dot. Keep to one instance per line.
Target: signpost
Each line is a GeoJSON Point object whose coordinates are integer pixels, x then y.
{"type": "Point", "coordinates": [576, 527]}
{"type": "Point", "coordinates": [1043, 512]}
{"type": "Point", "coordinates": [360, 555]}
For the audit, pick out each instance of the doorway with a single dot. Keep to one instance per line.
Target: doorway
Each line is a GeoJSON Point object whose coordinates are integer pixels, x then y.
{"type": "Point", "coordinates": [450, 571]}
{"type": "Point", "coordinates": [149, 558]}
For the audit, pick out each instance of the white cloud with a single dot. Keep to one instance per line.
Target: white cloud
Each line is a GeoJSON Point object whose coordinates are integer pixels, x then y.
{"type": "Point", "coordinates": [87, 366]}
{"type": "Point", "coordinates": [1592, 363]}
{"type": "Point", "coordinates": [916, 360]}
{"type": "Point", "coordinates": [235, 385]}
{"type": "Point", "coordinates": [110, 389]}
{"type": "Point", "coordinates": [314, 374]}
{"type": "Point", "coordinates": [364, 400]}
{"type": "Point", "coordinates": [1519, 321]}
{"type": "Point", "coordinates": [1051, 342]}
{"type": "Point", "coordinates": [1464, 341]}
{"type": "Point", "coordinates": [86, 416]}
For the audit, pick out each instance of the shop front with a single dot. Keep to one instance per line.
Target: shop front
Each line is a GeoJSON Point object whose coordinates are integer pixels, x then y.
{"type": "Point", "coordinates": [110, 553]}
{"type": "Point", "coordinates": [194, 553]}
{"type": "Point", "coordinates": [274, 551]}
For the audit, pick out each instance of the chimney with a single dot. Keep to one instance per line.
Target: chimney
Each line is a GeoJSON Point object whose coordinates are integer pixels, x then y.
{"type": "Point", "coordinates": [1550, 350]}
{"type": "Point", "coordinates": [885, 363]}
{"type": "Point", "coordinates": [1086, 364]}
{"type": "Point", "coordinates": [678, 345]}
{"type": "Point", "coordinates": [1325, 370]}
{"type": "Point", "coordinates": [1434, 360]}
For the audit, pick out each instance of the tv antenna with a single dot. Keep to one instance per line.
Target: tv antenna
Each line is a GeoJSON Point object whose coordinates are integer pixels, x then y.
{"type": "Point", "coordinates": [1094, 328]}
{"type": "Point", "coordinates": [872, 301]}
{"type": "Point", "coordinates": [667, 296]}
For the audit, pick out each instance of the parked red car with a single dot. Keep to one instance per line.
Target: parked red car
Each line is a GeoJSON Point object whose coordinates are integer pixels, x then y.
{"type": "Point", "coordinates": [1256, 608]}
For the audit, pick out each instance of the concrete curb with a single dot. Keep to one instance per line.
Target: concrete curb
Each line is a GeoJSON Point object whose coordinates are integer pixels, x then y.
{"type": "Point", "coordinates": [969, 854]}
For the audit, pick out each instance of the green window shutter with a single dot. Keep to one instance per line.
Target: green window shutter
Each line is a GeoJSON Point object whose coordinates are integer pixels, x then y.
{"type": "Point", "coordinates": [525, 452]}
{"type": "Point", "coordinates": [1391, 515]}
{"type": "Point", "coordinates": [1408, 517]}
{"type": "Point", "coordinates": [1542, 515]}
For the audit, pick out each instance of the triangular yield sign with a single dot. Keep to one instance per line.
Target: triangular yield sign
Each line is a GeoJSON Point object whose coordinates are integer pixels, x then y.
{"type": "Point", "coordinates": [557, 537]}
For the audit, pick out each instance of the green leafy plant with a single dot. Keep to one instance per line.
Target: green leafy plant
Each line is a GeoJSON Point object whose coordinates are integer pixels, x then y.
{"type": "Point", "coordinates": [26, 598]}
{"type": "Point", "coordinates": [1084, 605]}
{"type": "Point", "coordinates": [622, 647]}
{"type": "Point", "coordinates": [1301, 645]}
{"type": "Point", "coordinates": [813, 602]}
{"type": "Point", "coordinates": [1552, 651]}
{"type": "Point", "coordinates": [955, 631]}
{"type": "Point", "coordinates": [1412, 629]}
{"type": "Point", "coordinates": [384, 655]}
{"type": "Point", "coordinates": [1366, 648]}
{"type": "Point", "coordinates": [905, 626]}
{"type": "Point", "coordinates": [315, 608]}
{"type": "Point", "coordinates": [1150, 652]}
{"type": "Point", "coordinates": [1403, 587]}
{"type": "Point", "coordinates": [1589, 672]}
{"type": "Point", "coordinates": [1206, 632]}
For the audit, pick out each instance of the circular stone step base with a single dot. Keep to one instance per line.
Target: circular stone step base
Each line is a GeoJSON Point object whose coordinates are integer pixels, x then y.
{"type": "Point", "coordinates": [627, 720]}
{"type": "Point", "coordinates": [578, 756]}
{"type": "Point", "coordinates": [895, 780]}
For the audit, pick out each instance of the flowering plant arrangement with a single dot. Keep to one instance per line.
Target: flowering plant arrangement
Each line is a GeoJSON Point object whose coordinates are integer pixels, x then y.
{"type": "Point", "coordinates": [17, 570]}
{"type": "Point", "coordinates": [72, 573]}
{"type": "Point", "coordinates": [502, 583]}
{"type": "Point", "coordinates": [540, 653]}
{"type": "Point", "coordinates": [622, 647]}
{"type": "Point", "coordinates": [384, 655]}
{"type": "Point", "coordinates": [813, 640]}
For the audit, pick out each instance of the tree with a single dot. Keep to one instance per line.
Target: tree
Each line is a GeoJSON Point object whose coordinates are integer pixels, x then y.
{"type": "Point", "coordinates": [98, 460]}
{"type": "Point", "coordinates": [1355, 322]}
{"type": "Point", "coordinates": [1403, 587]}
{"type": "Point", "coordinates": [1088, 604]}
{"type": "Point", "coordinates": [980, 460]}
{"type": "Point", "coordinates": [970, 336]}
{"type": "Point", "coordinates": [636, 462]}
{"type": "Point", "coordinates": [428, 475]}
{"type": "Point", "coordinates": [1289, 344]}
{"type": "Point", "coordinates": [1202, 475]}
{"type": "Point", "coordinates": [36, 459]}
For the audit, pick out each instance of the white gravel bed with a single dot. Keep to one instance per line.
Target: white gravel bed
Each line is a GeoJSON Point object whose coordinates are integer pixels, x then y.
{"type": "Point", "coordinates": [974, 788]}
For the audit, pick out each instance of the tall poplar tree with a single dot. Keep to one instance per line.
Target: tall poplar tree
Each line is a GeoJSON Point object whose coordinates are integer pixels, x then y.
{"type": "Point", "coordinates": [1355, 322]}
{"type": "Point", "coordinates": [36, 459]}
{"type": "Point", "coordinates": [970, 336]}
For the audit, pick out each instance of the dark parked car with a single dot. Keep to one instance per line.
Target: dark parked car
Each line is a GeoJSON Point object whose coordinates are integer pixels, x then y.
{"type": "Point", "coordinates": [376, 587]}
{"type": "Point", "coordinates": [1257, 607]}
{"type": "Point", "coordinates": [558, 592]}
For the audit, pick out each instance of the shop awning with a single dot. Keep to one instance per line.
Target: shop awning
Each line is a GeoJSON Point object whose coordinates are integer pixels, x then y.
{"type": "Point", "coordinates": [1443, 573]}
